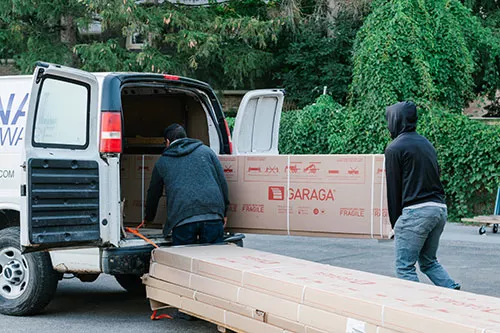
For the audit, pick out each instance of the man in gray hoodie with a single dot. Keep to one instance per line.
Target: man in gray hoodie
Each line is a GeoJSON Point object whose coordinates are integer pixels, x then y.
{"type": "Point", "coordinates": [415, 197]}
{"type": "Point", "coordinates": [195, 187]}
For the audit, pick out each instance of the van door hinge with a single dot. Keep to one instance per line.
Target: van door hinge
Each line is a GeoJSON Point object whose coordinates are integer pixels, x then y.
{"type": "Point", "coordinates": [23, 190]}
{"type": "Point", "coordinates": [39, 75]}
{"type": "Point", "coordinates": [23, 166]}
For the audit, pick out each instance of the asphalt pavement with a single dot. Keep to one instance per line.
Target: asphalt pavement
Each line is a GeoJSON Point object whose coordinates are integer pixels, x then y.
{"type": "Point", "coordinates": [103, 306]}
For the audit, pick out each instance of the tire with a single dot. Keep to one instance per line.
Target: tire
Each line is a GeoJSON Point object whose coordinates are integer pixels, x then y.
{"type": "Point", "coordinates": [482, 230]}
{"type": "Point", "coordinates": [27, 282]}
{"type": "Point", "coordinates": [131, 283]}
{"type": "Point", "coordinates": [495, 228]}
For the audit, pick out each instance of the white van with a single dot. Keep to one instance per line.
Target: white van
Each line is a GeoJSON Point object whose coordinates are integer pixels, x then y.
{"type": "Point", "coordinates": [63, 133]}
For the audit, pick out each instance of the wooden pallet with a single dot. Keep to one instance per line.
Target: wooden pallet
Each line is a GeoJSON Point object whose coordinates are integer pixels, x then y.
{"type": "Point", "coordinates": [485, 221]}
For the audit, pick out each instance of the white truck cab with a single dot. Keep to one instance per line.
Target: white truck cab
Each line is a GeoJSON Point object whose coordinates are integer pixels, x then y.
{"type": "Point", "coordinates": [63, 135]}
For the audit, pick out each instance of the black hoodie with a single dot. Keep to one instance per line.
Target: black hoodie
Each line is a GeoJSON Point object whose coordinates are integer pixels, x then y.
{"type": "Point", "coordinates": [194, 183]}
{"type": "Point", "coordinates": [412, 168]}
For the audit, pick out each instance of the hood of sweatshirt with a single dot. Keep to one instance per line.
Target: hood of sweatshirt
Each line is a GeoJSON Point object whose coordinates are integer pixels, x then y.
{"type": "Point", "coordinates": [401, 117]}
{"type": "Point", "coordinates": [182, 147]}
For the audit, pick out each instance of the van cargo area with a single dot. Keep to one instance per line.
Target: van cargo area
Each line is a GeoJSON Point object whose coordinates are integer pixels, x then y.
{"type": "Point", "coordinates": [147, 110]}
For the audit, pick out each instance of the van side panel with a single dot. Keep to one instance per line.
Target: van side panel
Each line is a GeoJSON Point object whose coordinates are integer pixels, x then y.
{"type": "Point", "coordinates": [14, 100]}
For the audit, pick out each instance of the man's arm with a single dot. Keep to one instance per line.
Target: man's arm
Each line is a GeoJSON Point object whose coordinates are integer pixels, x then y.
{"type": "Point", "coordinates": [394, 185]}
{"type": "Point", "coordinates": [155, 191]}
{"type": "Point", "coordinates": [221, 179]}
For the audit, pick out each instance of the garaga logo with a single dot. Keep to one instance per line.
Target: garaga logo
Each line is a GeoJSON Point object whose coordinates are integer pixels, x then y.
{"type": "Point", "coordinates": [322, 194]}
{"type": "Point", "coordinates": [276, 193]}
{"type": "Point", "coordinates": [305, 193]}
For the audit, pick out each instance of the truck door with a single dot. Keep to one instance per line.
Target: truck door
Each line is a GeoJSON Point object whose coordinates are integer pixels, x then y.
{"type": "Point", "coordinates": [256, 127]}
{"type": "Point", "coordinates": [60, 191]}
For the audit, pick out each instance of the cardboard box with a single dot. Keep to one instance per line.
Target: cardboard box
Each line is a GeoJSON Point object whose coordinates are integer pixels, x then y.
{"type": "Point", "coordinates": [324, 320]}
{"type": "Point", "coordinates": [211, 313]}
{"type": "Point", "coordinates": [249, 325]}
{"type": "Point", "coordinates": [289, 325]}
{"type": "Point", "coordinates": [317, 195]}
{"type": "Point", "coordinates": [135, 175]}
{"type": "Point", "coordinates": [165, 291]}
{"type": "Point", "coordinates": [300, 291]}
{"type": "Point", "coordinates": [151, 281]}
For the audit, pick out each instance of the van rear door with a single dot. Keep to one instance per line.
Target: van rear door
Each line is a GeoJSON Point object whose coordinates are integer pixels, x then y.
{"type": "Point", "coordinates": [60, 198]}
{"type": "Point", "coordinates": [256, 127]}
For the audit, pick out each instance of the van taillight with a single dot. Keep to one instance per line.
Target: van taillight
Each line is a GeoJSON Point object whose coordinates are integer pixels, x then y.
{"type": "Point", "coordinates": [228, 137]}
{"type": "Point", "coordinates": [111, 132]}
{"type": "Point", "coordinates": [171, 77]}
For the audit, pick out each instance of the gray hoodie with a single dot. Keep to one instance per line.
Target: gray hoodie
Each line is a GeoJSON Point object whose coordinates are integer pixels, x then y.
{"type": "Point", "coordinates": [194, 183]}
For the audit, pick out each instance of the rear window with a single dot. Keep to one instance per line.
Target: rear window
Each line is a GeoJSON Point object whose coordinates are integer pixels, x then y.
{"type": "Point", "coordinates": [62, 114]}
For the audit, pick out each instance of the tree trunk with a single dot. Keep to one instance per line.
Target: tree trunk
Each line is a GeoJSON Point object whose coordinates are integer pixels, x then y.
{"type": "Point", "coordinates": [68, 35]}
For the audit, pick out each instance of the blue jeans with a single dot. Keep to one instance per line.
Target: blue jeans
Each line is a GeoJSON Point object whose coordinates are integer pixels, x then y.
{"type": "Point", "coordinates": [417, 233]}
{"type": "Point", "coordinates": [198, 233]}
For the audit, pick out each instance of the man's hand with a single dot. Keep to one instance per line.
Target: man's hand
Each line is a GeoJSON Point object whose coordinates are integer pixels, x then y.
{"type": "Point", "coordinates": [225, 221]}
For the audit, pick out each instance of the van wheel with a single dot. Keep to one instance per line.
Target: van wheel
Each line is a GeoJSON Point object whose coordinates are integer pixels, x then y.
{"type": "Point", "coordinates": [131, 283]}
{"type": "Point", "coordinates": [27, 281]}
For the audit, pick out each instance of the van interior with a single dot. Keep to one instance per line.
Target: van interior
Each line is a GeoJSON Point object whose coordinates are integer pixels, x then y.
{"type": "Point", "coordinates": [147, 110]}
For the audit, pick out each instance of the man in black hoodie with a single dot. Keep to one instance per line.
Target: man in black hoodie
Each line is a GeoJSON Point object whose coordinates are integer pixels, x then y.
{"type": "Point", "coordinates": [195, 187]}
{"type": "Point", "coordinates": [415, 195]}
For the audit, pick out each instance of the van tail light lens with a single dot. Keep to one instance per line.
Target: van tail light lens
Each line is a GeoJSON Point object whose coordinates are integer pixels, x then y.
{"type": "Point", "coordinates": [111, 132]}
{"type": "Point", "coordinates": [171, 77]}
{"type": "Point", "coordinates": [228, 137]}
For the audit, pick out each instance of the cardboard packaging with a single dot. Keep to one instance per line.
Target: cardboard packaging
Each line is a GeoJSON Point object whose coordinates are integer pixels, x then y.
{"type": "Point", "coordinates": [322, 296]}
{"type": "Point", "coordinates": [315, 195]}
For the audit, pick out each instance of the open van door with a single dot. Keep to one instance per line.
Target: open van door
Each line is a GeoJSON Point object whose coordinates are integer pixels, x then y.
{"type": "Point", "coordinates": [60, 191]}
{"type": "Point", "coordinates": [256, 128]}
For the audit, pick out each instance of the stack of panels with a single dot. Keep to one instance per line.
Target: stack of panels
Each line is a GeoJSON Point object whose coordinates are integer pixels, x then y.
{"type": "Point", "coordinates": [252, 291]}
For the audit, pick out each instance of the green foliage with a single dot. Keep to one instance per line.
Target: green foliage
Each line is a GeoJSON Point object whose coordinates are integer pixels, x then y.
{"type": "Point", "coordinates": [225, 45]}
{"type": "Point", "coordinates": [306, 131]}
{"type": "Point", "coordinates": [416, 49]}
{"type": "Point", "coordinates": [468, 151]}
{"type": "Point", "coordinates": [318, 56]}
{"type": "Point", "coordinates": [32, 30]}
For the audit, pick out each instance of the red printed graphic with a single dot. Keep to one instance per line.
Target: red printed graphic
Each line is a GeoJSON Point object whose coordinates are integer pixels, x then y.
{"type": "Point", "coordinates": [355, 212]}
{"type": "Point", "coordinates": [276, 193]}
{"type": "Point", "coordinates": [254, 169]}
{"type": "Point", "coordinates": [376, 212]}
{"type": "Point", "coordinates": [293, 168]}
{"type": "Point", "coordinates": [312, 168]}
{"type": "Point", "coordinates": [305, 193]}
{"type": "Point", "coordinates": [252, 208]}
{"type": "Point", "coordinates": [353, 171]}
{"type": "Point", "coordinates": [232, 208]}
{"type": "Point", "coordinates": [272, 169]}
{"type": "Point", "coordinates": [345, 170]}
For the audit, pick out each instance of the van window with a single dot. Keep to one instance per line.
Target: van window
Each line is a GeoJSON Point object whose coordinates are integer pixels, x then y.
{"type": "Point", "coordinates": [260, 111]}
{"type": "Point", "coordinates": [62, 114]}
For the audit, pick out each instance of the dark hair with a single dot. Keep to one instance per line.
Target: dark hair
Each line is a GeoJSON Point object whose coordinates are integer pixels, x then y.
{"type": "Point", "coordinates": [174, 132]}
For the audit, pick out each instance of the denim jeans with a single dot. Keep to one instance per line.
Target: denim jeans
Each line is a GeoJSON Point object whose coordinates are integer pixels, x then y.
{"type": "Point", "coordinates": [416, 235]}
{"type": "Point", "coordinates": [198, 233]}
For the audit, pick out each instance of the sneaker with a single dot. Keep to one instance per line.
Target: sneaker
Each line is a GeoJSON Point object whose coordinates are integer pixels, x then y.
{"type": "Point", "coordinates": [457, 287]}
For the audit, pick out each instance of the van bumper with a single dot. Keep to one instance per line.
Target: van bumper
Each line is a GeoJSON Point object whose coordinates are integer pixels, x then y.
{"type": "Point", "coordinates": [135, 259]}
